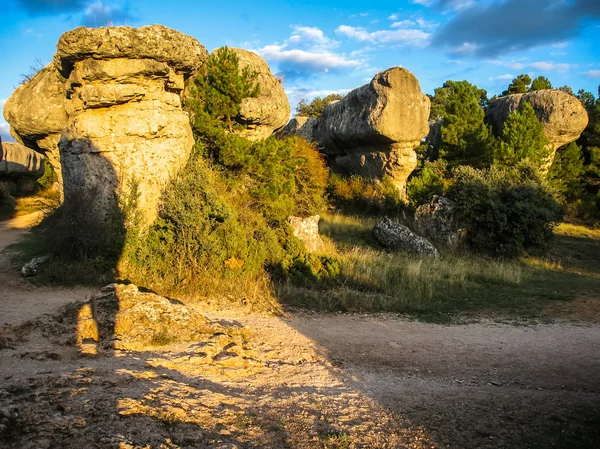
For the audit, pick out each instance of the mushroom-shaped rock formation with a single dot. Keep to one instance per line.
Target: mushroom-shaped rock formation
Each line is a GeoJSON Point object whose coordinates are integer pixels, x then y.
{"type": "Point", "coordinates": [126, 126]}
{"type": "Point", "coordinates": [374, 129]}
{"type": "Point", "coordinates": [563, 116]}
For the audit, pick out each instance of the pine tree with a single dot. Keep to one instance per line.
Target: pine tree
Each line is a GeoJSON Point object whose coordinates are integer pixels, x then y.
{"type": "Point", "coordinates": [519, 85]}
{"type": "Point", "coordinates": [225, 86]}
{"type": "Point", "coordinates": [463, 136]}
{"type": "Point", "coordinates": [567, 170]}
{"type": "Point", "coordinates": [522, 138]}
{"type": "Point", "coordinates": [541, 82]}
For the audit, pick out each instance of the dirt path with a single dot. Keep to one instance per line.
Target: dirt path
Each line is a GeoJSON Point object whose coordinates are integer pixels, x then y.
{"type": "Point", "coordinates": [19, 301]}
{"type": "Point", "coordinates": [304, 381]}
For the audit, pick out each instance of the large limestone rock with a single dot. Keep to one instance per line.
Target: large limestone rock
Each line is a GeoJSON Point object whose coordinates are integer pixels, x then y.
{"type": "Point", "coordinates": [17, 160]}
{"type": "Point", "coordinates": [392, 235]}
{"type": "Point", "coordinates": [37, 114]}
{"type": "Point", "coordinates": [126, 127]}
{"type": "Point", "coordinates": [563, 116]}
{"type": "Point", "coordinates": [375, 128]}
{"type": "Point", "coordinates": [268, 112]}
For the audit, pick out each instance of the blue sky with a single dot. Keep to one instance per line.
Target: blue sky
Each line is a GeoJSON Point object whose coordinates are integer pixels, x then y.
{"type": "Point", "coordinates": [323, 46]}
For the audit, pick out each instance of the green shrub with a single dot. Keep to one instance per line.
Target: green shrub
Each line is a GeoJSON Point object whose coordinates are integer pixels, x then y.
{"type": "Point", "coordinates": [361, 195]}
{"type": "Point", "coordinates": [222, 222]}
{"type": "Point", "coordinates": [429, 181]}
{"type": "Point", "coordinates": [505, 210]}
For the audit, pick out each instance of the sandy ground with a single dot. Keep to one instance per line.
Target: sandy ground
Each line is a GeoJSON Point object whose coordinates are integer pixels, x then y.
{"type": "Point", "coordinates": [19, 301]}
{"type": "Point", "coordinates": [301, 381]}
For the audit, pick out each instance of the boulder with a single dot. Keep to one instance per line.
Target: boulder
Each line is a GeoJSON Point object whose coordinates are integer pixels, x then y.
{"type": "Point", "coordinates": [36, 113]}
{"type": "Point", "coordinates": [437, 221]}
{"type": "Point", "coordinates": [307, 231]}
{"type": "Point", "coordinates": [268, 112]}
{"type": "Point", "coordinates": [17, 160]}
{"type": "Point", "coordinates": [374, 129]}
{"type": "Point", "coordinates": [126, 127]}
{"type": "Point", "coordinates": [393, 235]}
{"type": "Point", "coordinates": [563, 116]}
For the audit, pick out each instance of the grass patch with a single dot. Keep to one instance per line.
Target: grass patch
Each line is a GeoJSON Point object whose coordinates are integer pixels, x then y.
{"type": "Point", "coordinates": [441, 290]}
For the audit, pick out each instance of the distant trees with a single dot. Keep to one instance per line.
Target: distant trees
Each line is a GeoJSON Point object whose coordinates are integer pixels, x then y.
{"type": "Point", "coordinates": [314, 109]}
{"type": "Point", "coordinates": [523, 83]}
{"type": "Point", "coordinates": [541, 82]}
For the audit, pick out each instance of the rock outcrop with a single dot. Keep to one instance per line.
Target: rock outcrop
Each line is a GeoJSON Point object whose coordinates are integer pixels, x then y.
{"type": "Point", "coordinates": [36, 113]}
{"type": "Point", "coordinates": [437, 221]}
{"type": "Point", "coordinates": [270, 111]}
{"type": "Point", "coordinates": [17, 160]}
{"type": "Point", "coordinates": [307, 231]}
{"type": "Point", "coordinates": [374, 129]}
{"type": "Point", "coordinates": [393, 235]}
{"type": "Point", "coordinates": [563, 116]}
{"type": "Point", "coordinates": [300, 126]}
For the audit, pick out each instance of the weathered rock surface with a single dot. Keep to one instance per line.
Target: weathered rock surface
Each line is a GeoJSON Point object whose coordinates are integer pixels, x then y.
{"type": "Point", "coordinates": [393, 235]}
{"type": "Point", "coordinates": [126, 125]}
{"type": "Point", "coordinates": [17, 160]}
{"type": "Point", "coordinates": [268, 112]}
{"type": "Point", "coordinates": [437, 221]}
{"type": "Point", "coordinates": [138, 319]}
{"type": "Point", "coordinates": [307, 231]}
{"type": "Point", "coordinates": [563, 116]}
{"type": "Point", "coordinates": [375, 128]}
{"type": "Point", "coordinates": [37, 114]}
{"type": "Point", "coordinates": [181, 52]}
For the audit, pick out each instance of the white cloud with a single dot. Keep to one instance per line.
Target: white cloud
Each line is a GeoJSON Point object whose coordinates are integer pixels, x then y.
{"type": "Point", "coordinates": [422, 2]}
{"type": "Point", "coordinates": [506, 76]}
{"type": "Point", "coordinates": [403, 24]}
{"type": "Point", "coordinates": [318, 60]}
{"type": "Point", "coordinates": [549, 66]}
{"type": "Point", "coordinates": [561, 45]}
{"type": "Point", "coordinates": [402, 36]}
{"type": "Point", "coordinates": [592, 73]}
{"type": "Point", "coordinates": [306, 52]}
{"type": "Point", "coordinates": [515, 65]}
{"type": "Point", "coordinates": [302, 34]}
{"type": "Point", "coordinates": [364, 14]}
{"type": "Point", "coordinates": [465, 49]}
{"type": "Point", "coordinates": [393, 16]}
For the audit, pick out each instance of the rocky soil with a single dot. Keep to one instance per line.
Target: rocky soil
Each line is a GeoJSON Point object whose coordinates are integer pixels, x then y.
{"type": "Point", "coordinates": [299, 381]}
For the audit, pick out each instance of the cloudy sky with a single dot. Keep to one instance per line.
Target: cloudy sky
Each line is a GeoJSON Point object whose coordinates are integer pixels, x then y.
{"type": "Point", "coordinates": [323, 46]}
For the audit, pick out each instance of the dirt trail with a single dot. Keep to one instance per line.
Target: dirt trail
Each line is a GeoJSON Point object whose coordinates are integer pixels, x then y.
{"type": "Point", "coordinates": [303, 381]}
{"type": "Point", "coordinates": [19, 301]}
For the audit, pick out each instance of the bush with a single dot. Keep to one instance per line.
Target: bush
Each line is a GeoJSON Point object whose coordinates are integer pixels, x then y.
{"type": "Point", "coordinates": [222, 221]}
{"type": "Point", "coordinates": [505, 211]}
{"type": "Point", "coordinates": [566, 172]}
{"type": "Point", "coordinates": [429, 181]}
{"type": "Point", "coordinates": [361, 195]}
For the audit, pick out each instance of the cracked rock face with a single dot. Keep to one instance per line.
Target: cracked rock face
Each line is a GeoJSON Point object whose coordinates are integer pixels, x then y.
{"type": "Point", "coordinates": [374, 129]}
